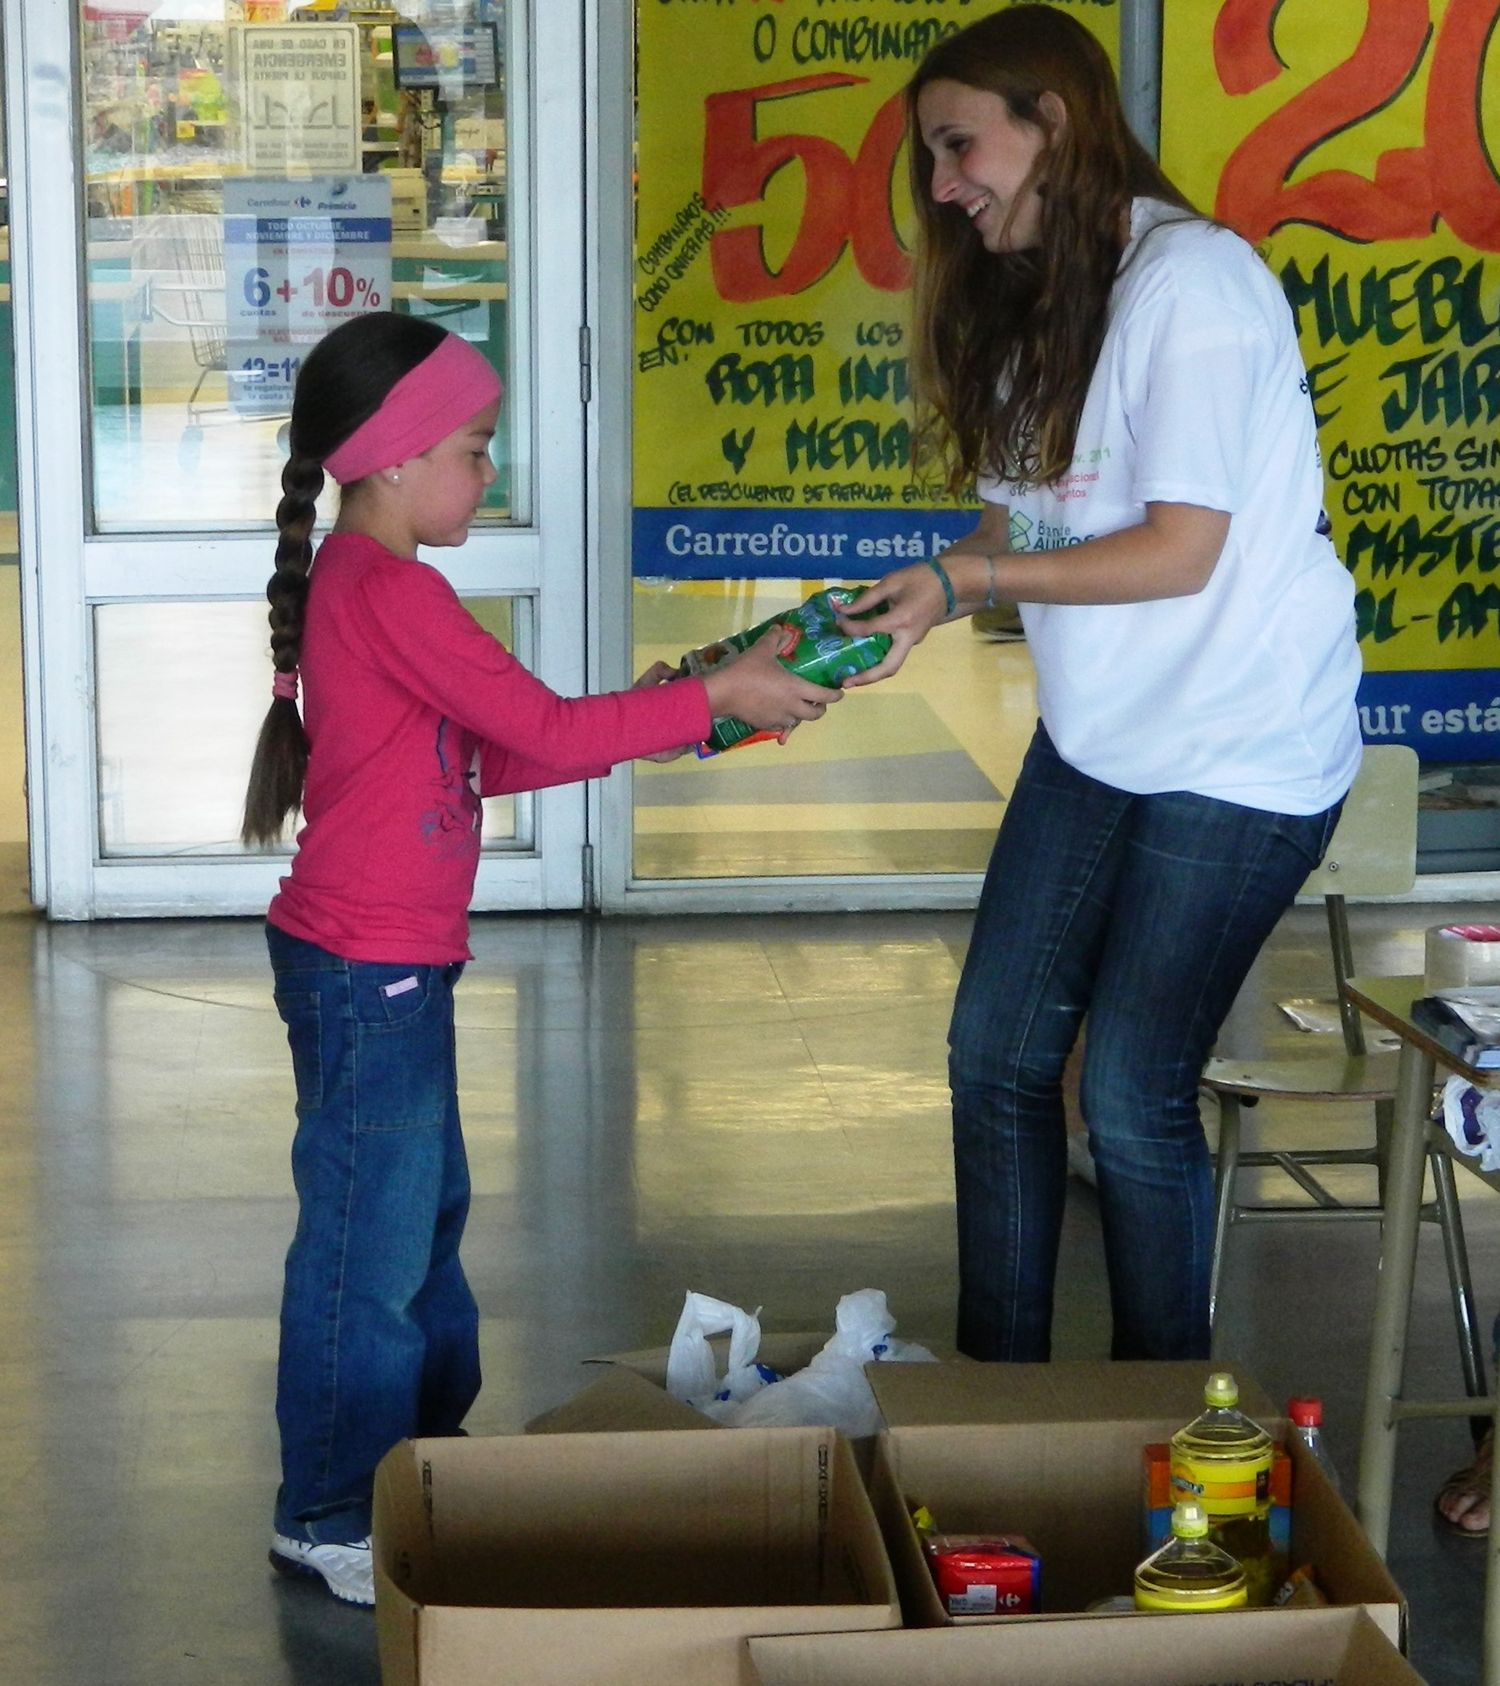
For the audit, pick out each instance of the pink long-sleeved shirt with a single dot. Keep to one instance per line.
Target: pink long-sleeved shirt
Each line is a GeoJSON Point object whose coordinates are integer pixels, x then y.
{"type": "Point", "coordinates": [406, 697]}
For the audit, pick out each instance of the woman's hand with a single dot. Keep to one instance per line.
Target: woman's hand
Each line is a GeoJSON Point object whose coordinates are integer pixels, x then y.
{"type": "Point", "coordinates": [658, 674]}
{"type": "Point", "coordinates": [911, 602]}
{"type": "Point", "coordinates": [757, 689]}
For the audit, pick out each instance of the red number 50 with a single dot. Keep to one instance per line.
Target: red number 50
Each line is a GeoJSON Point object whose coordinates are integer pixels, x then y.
{"type": "Point", "coordinates": [1448, 175]}
{"type": "Point", "coordinates": [846, 200]}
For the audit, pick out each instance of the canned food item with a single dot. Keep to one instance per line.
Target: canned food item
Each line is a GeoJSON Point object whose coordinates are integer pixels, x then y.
{"type": "Point", "coordinates": [812, 646]}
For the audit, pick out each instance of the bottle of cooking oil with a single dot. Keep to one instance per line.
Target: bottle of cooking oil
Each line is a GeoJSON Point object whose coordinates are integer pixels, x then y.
{"type": "Point", "coordinates": [1189, 1572]}
{"type": "Point", "coordinates": [1223, 1460]}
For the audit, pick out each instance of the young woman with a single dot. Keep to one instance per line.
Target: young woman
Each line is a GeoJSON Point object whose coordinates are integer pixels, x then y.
{"type": "Point", "coordinates": [1121, 379]}
{"type": "Point", "coordinates": [412, 713]}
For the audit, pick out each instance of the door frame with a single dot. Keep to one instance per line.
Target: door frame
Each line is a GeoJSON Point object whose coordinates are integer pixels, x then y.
{"type": "Point", "coordinates": [66, 571]}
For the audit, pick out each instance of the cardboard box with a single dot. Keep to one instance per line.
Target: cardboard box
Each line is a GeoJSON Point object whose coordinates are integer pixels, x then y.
{"type": "Point", "coordinates": [619, 1401]}
{"type": "Point", "coordinates": [1054, 1452]}
{"type": "Point", "coordinates": [1078, 1391]}
{"type": "Point", "coordinates": [1318, 1647]}
{"type": "Point", "coordinates": [629, 1391]}
{"type": "Point", "coordinates": [628, 1559]}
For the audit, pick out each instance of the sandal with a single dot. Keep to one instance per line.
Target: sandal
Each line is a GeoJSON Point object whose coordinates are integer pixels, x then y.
{"type": "Point", "coordinates": [1463, 1503]}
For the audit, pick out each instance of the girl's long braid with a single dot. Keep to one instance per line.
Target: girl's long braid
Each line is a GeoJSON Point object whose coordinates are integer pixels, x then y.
{"type": "Point", "coordinates": [301, 482]}
{"type": "Point", "coordinates": [280, 764]}
{"type": "Point", "coordinates": [343, 381]}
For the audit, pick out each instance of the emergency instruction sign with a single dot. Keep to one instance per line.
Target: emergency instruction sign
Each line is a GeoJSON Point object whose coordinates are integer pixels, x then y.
{"type": "Point", "coordinates": [299, 98]}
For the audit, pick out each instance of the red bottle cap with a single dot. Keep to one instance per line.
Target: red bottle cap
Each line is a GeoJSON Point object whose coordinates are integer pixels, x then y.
{"type": "Point", "coordinates": [1306, 1413]}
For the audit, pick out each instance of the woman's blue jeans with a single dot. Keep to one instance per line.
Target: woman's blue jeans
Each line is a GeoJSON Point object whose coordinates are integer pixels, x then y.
{"type": "Point", "coordinates": [1145, 913]}
{"type": "Point", "coordinates": [379, 1331]}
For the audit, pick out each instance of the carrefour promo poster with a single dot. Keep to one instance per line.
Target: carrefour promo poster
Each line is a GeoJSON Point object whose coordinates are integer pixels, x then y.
{"type": "Point", "coordinates": [772, 427]}
{"type": "Point", "coordinates": [1355, 145]}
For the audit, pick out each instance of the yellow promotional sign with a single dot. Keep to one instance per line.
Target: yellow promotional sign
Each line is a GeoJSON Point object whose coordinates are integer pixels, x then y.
{"type": "Point", "coordinates": [1352, 143]}
{"type": "Point", "coordinates": [772, 430]}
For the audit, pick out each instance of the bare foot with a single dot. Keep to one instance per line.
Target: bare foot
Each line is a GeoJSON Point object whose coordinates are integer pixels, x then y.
{"type": "Point", "coordinates": [1464, 1502]}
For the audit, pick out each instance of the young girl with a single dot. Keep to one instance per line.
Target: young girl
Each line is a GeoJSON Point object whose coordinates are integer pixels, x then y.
{"type": "Point", "coordinates": [412, 713]}
{"type": "Point", "coordinates": [1122, 379]}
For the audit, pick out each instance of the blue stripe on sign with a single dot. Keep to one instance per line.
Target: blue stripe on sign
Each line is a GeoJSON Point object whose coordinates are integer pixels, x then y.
{"type": "Point", "coordinates": [789, 543]}
{"type": "Point", "coordinates": [239, 230]}
{"type": "Point", "coordinates": [1445, 715]}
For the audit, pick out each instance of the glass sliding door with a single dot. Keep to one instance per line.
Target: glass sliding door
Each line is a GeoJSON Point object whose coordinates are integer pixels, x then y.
{"type": "Point", "coordinates": [250, 174]}
{"type": "Point", "coordinates": [761, 445]}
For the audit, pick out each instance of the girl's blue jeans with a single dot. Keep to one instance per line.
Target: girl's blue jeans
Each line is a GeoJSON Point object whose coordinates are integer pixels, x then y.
{"type": "Point", "coordinates": [379, 1331]}
{"type": "Point", "coordinates": [1145, 913]}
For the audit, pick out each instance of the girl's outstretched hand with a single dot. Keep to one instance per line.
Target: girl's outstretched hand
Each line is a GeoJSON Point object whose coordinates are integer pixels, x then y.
{"type": "Point", "coordinates": [910, 602]}
{"type": "Point", "coordinates": [757, 689]}
{"type": "Point", "coordinates": [658, 674]}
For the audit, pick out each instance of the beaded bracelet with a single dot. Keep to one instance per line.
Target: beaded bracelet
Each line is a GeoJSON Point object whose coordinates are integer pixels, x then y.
{"type": "Point", "coordinates": [950, 602]}
{"type": "Point", "coordinates": [989, 601]}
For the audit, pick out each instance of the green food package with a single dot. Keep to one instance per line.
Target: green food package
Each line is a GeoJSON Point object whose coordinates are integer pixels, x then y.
{"type": "Point", "coordinates": [814, 649]}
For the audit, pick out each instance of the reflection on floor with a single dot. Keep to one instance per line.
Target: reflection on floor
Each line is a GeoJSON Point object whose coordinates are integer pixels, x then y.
{"type": "Point", "coordinates": [909, 776]}
{"type": "Point", "coordinates": [735, 1105]}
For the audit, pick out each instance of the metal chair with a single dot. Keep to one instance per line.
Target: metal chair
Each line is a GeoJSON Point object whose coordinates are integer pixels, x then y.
{"type": "Point", "coordinates": [1373, 852]}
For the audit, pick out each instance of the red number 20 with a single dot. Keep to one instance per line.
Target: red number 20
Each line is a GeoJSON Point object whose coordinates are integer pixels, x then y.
{"type": "Point", "coordinates": [847, 200]}
{"type": "Point", "coordinates": [1448, 175]}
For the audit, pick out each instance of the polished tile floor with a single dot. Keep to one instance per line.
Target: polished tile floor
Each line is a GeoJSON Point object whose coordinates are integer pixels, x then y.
{"type": "Point", "coordinates": [753, 1107]}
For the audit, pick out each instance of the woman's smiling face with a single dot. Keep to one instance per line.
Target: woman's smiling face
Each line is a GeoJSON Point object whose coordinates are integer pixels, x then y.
{"type": "Point", "coordinates": [983, 162]}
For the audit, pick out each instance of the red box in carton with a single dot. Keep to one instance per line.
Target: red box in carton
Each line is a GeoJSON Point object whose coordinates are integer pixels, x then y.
{"type": "Point", "coordinates": [985, 1574]}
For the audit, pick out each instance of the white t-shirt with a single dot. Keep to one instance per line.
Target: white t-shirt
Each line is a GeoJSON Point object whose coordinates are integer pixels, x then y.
{"type": "Point", "coordinates": [1244, 691]}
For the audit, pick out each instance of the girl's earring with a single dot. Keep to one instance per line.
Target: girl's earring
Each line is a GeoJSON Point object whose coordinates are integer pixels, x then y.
{"type": "Point", "coordinates": [395, 479]}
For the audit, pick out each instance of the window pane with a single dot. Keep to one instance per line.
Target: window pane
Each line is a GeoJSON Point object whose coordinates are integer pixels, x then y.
{"type": "Point", "coordinates": [182, 690]}
{"type": "Point", "coordinates": [254, 176]}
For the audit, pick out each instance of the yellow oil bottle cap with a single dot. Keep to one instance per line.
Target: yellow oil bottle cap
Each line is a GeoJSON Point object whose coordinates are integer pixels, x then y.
{"type": "Point", "coordinates": [1222, 1389]}
{"type": "Point", "coordinates": [1189, 1520]}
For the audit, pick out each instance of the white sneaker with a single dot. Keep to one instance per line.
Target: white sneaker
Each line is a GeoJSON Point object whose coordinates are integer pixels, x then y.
{"type": "Point", "coordinates": [348, 1571]}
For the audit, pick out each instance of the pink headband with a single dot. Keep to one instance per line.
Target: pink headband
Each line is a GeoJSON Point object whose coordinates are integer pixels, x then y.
{"type": "Point", "coordinates": [450, 386]}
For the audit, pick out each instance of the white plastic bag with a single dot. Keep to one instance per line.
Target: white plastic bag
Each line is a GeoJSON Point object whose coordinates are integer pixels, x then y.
{"type": "Point", "coordinates": [1473, 1120]}
{"type": "Point", "coordinates": [833, 1391]}
{"type": "Point", "coordinates": [692, 1369]}
{"type": "Point", "coordinates": [865, 1329]}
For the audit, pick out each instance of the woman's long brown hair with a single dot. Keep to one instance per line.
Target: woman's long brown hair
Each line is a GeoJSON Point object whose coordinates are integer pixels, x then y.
{"type": "Point", "coordinates": [1004, 344]}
